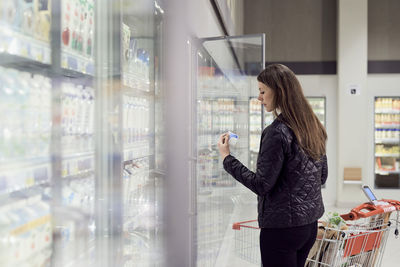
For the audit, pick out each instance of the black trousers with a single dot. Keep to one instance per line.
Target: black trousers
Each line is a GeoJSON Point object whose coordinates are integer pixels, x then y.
{"type": "Point", "coordinates": [287, 247]}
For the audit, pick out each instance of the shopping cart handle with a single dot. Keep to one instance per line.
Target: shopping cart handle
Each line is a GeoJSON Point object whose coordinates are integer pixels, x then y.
{"type": "Point", "coordinates": [357, 212]}
{"type": "Point", "coordinates": [349, 216]}
{"type": "Point", "coordinates": [395, 203]}
{"type": "Point", "coordinates": [237, 225]}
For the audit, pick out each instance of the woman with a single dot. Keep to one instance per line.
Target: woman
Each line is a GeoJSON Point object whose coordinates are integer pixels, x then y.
{"type": "Point", "coordinates": [291, 168]}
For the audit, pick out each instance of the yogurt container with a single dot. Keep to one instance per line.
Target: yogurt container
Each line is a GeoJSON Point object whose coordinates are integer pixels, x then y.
{"type": "Point", "coordinates": [233, 138]}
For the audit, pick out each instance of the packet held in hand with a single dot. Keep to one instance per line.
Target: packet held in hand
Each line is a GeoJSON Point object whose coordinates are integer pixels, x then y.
{"type": "Point", "coordinates": [233, 138]}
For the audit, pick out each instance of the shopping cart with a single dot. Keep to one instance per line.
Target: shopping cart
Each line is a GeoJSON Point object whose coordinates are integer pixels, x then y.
{"type": "Point", "coordinates": [359, 242]}
{"type": "Point", "coordinates": [247, 241]}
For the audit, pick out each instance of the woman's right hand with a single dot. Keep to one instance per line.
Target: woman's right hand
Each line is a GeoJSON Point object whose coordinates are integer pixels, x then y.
{"type": "Point", "coordinates": [223, 145]}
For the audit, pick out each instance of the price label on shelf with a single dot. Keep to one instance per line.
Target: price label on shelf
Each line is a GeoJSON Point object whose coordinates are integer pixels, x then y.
{"type": "Point", "coordinates": [29, 180]}
{"type": "Point", "coordinates": [16, 43]}
{"type": "Point", "coordinates": [81, 66]}
{"type": "Point", "coordinates": [21, 177]}
{"type": "Point", "coordinates": [37, 53]}
{"type": "Point", "coordinates": [74, 167]}
{"type": "Point", "coordinates": [72, 60]}
{"type": "Point", "coordinates": [65, 169]}
{"type": "Point", "coordinates": [24, 50]}
{"type": "Point", "coordinates": [64, 61]}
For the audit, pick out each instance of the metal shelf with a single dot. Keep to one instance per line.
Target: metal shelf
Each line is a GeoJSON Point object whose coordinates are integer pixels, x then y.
{"type": "Point", "coordinates": [78, 155]}
{"type": "Point", "coordinates": [136, 81]}
{"type": "Point", "coordinates": [81, 175]}
{"type": "Point", "coordinates": [389, 141]}
{"type": "Point", "coordinates": [21, 45]}
{"type": "Point", "coordinates": [20, 179]}
{"type": "Point", "coordinates": [139, 149]}
{"type": "Point", "coordinates": [77, 64]}
{"type": "Point", "coordinates": [381, 155]}
{"type": "Point", "coordinates": [387, 126]}
{"type": "Point", "coordinates": [24, 163]}
{"type": "Point", "coordinates": [387, 111]}
{"type": "Point", "coordinates": [386, 172]}
{"type": "Point", "coordinates": [6, 197]}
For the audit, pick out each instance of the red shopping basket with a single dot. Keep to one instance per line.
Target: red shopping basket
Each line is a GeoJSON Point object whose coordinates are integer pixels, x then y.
{"type": "Point", "coordinates": [247, 243]}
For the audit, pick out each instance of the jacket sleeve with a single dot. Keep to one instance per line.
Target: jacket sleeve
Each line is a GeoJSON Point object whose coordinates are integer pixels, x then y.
{"type": "Point", "coordinates": [324, 175]}
{"type": "Point", "coordinates": [269, 165]}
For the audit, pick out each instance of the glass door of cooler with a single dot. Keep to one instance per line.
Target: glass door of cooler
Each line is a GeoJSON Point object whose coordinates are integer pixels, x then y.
{"type": "Point", "coordinates": [142, 160]}
{"type": "Point", "coordinates": [223, 89]}
{"type": "Point", "coordinates": [25, 154]}
{"type": "Point", "coordinates": [74, 164]}
{"type": "Point", "coordinates": [47, 133]}
{"type": "Point", "coordinates": [78, 162]}
{"type": "Point", "coordinates": [255, 130]}
{"type": "Point", "coordinates": [387, 142]}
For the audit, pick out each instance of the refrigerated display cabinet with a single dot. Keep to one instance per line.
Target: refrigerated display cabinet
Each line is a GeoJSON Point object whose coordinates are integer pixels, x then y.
{"type": "Point", "coordinates": [82, 136]}
{"type": "Point", "coordinates": [387, 142]}
{"type": "Point", "coordinates": [47, 145]}
{"type": "Point", "coordinates": [79, 157]}
{"type": "Point", "coordinates": [142, 132]}
{"type": "Point", "coordinates": [318, 105]}
{"type": "Point", "coordinates": [222, 91]}
{"type": "Point", "coordinates": [255, 130]}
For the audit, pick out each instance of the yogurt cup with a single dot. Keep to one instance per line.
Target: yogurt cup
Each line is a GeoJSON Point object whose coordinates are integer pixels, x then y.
{"type": "Point", "coordinates": [233, 138]}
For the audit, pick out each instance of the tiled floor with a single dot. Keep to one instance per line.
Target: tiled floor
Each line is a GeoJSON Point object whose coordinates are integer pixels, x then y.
{"type": "Point", "coordinates": [391, 257]}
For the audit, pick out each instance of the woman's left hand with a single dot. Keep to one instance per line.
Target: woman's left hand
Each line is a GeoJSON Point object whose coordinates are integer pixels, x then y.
{"type": "Point", "coordinates": [223, 145]}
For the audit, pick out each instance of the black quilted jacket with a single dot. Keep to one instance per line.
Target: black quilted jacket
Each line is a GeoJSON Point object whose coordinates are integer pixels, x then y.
{"type": "Point", "coordinates": [287, 181]}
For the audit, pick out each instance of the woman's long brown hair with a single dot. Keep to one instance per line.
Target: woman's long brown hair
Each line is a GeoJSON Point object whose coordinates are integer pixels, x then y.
{"type": "Point", "coordinates": [295, 109]}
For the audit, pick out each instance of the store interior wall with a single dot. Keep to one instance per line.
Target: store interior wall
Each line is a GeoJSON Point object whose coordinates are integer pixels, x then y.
{"type": "Point", "coordinates": [352, 109]}
{"type": "Point", "coordinates": [203, 21]}
{"type": "Point", "coordinates": [383, 30]}
{"type": "Point", "coordinates": [231, 13]}
{"type": "Point", "coordinates": [295, 30]}
{"type": "Point", "coordinates": [238, 16]}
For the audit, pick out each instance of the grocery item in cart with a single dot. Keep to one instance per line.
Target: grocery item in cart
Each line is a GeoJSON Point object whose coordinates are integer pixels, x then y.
{"type": "Point", "coordinates": [327, 230]}
{"type": "Point", "coordinates": [357, 238]}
